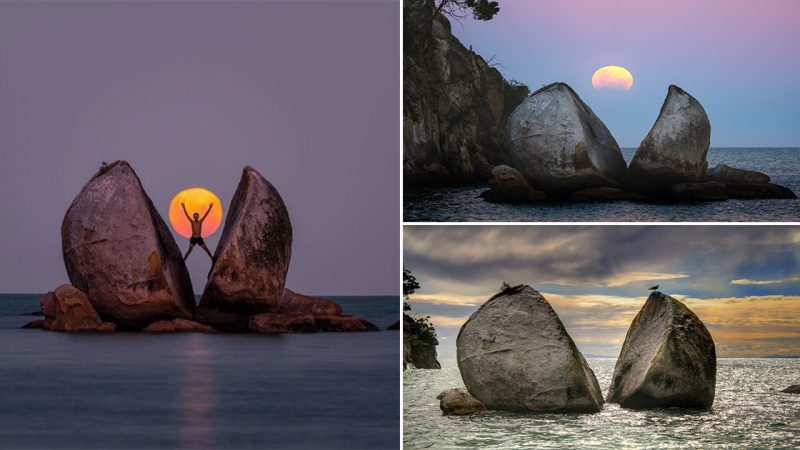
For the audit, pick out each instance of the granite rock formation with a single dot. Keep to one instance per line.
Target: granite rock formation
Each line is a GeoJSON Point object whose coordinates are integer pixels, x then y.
{"type": "Point", "coordinates": [68, 309]}
{"type": "Point", "coordinates": [509, 186]}
{"type": "Point", "coordinates": [178, 326]}
{"type": "Point", "coordinates": [120, 253]}
{"type": "Point", "coordinates": [252, 257]}
{"type": "Point", "coordinates": [455, 103]}
{"type": "Point", "coordinates": [459, 402]}
{"type": "Point", "coordinates": [514, 354]}
{"type": "Point", "coordinates": [675, 149]}
{"type": "Point", "coordinates": [668, 359]}
{"type": "Point", "coordinates": [560, 145]}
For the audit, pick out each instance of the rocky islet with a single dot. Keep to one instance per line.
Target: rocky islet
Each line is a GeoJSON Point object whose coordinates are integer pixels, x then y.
{"type": "Point", "coordinates": [127, 272]}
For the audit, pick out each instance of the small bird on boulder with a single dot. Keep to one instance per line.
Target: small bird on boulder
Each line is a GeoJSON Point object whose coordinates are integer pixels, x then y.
{"type": "Point", "coordinates": [654, 288]}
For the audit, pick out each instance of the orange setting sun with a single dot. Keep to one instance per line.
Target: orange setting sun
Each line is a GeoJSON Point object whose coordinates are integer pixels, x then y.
{"type": "Point", "coordinates": [612, 77]}
{"type": "Point", "coordinates": [197, 200]}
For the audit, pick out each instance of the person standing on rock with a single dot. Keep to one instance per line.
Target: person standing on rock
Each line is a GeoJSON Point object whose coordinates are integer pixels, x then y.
{"type": "Point", "coordinates": [197, 230]}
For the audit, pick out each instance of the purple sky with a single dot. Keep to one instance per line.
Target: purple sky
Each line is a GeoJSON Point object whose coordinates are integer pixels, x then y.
{"type": "Point", "coordinates": [307, 93]}
{"type": "Point", "coordinates": [739, 58]}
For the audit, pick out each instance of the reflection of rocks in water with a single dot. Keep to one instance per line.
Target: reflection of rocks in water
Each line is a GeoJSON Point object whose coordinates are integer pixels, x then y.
{"type": "Point", "coordinates": [196, 395]}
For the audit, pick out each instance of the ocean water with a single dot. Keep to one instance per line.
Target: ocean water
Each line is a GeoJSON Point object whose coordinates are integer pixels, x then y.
{"type": "Point", "coordinates": [193, 390]}
{"type": "Point", "coordinates": [462, 204]}
{"type": "Point", "coordinates": [748, 413]}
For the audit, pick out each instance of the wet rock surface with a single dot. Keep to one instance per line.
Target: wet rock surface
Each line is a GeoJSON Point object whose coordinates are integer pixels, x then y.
{"type": "Point", "coordinates": [515, 354]}
{"type": "Point", "coordinates": [459, 402]}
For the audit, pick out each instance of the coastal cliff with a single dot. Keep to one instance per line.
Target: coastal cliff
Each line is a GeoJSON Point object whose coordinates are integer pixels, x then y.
{"type": "Point", "coordinates": [455, 104]}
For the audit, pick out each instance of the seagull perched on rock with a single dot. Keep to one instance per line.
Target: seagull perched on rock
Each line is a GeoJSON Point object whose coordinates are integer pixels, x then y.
{"type": "Point", "coordinates": [654, 288]}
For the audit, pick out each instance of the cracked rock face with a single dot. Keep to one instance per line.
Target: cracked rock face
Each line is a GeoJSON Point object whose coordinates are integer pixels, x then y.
{"type": "Point", "coordinates": [668, 359]}
{"type": "Point", "coordinates": [514, 354]}
{"type": "Point", "coordinates": [252, 257]}
{"type": "Point", "coordinates": [559, 144]}
{"type": "Point", "coordinates": [120, 253]}
{"type": "Point", "coordinates": [675, 149]}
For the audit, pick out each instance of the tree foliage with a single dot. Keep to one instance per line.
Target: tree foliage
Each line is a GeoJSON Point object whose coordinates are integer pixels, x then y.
{"type": "Point", "coordinates": [458, 9]}
{"type": "Point", "coordinates": [420, 328]}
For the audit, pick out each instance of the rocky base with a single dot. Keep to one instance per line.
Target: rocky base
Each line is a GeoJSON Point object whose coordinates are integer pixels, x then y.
{"type": "Point", "coordinates": [459, 402]}
{"type": "Point", "coordinates": [178, 325]}
{"type": "Point", "coordinates": [717, 185]}
{"type": "Point", "coordinates": [68, 309]}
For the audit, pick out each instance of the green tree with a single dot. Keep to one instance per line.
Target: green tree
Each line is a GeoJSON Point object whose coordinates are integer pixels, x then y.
{"type": "Point", "coordinates": [421, 328]}
{"type": "Point", "coordinates": [458, 9]}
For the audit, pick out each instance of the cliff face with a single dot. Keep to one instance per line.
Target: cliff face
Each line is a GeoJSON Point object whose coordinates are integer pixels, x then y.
{"type": "Point", "coordinates": [454, 104]}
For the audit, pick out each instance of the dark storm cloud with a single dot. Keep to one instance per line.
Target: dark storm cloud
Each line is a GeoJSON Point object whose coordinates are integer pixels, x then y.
{"type": "Point", "coordinates": [742, 281]}
{"type": "Point", "coordinates": [598, 255]}
{"type": "Point", "coordinates": [305, 92]}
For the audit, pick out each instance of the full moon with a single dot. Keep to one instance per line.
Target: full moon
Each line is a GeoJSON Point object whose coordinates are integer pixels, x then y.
{"type": "Point", "coordinates": [612, 77]}
{"type": "Point", "coordinates": [196, 200]}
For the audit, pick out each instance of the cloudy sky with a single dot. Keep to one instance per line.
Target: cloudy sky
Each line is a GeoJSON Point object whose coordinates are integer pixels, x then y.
{"type": "Point", "coordinates": [305, 92]}
{"type": "Point", "coordinates": [737, 57]}
{"type": "Point", "coordinates": [742, 281]}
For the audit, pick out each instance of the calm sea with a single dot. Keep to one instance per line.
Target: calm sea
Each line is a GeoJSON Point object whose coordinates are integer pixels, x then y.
{"type": "Point", "coordinates": [136, 390]}
{"type": "Point", "coordinates": [461, 204]}
{"type": "Point", "coordinates": [748, 413]}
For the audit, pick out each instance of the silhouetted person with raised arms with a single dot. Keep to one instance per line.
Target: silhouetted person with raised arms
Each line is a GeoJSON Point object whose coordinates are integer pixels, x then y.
{"type": "Point", "coordinates": [197, 231]}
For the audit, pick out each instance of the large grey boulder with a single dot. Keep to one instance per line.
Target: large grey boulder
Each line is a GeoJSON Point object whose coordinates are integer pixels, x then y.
{"type": "Point", "coordinates": [559, 144]}
{"type": "Point", "coordinates": [514, 354]}
{"type": "Point", "coordinates": [120, 253]}
{"type": "Point", "coordinates": [668, 359]}
{"type": "Point", "coordinates": [252, 257]}
{"type": "Point", "coordinates": [675, 149]}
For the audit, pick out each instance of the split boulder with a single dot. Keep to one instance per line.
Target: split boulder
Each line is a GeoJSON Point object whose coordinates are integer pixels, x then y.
{"type": "Point", "coordinates": [252, 257]}
{"type": "Point", "coordinates": [675, 149]}
{"type": "Point", "coordinates": [120, 253]}
{"type": "Point", "coordinates": [668, 359]}
{"type": "Point", "coordinates": [515, 354]}
{"type": "Point", "coordinates": [559, 144]}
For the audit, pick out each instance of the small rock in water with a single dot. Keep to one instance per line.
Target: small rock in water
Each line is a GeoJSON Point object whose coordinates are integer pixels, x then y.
{"type": "Point", "coordinates": [509, 186]}
{"type": "Point", "coordinates": [728, 174]}
{"type": "Point", "coordinates": [459, 402]}
{"type": "Point", "coordinates": [68, 309]}
{"type": "Point", "coordinates": [668, 359]}
{"type": "Point", "coordinates": [178, 325]}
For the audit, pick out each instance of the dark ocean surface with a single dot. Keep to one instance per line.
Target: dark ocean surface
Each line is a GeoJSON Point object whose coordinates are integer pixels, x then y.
{"type": "Point", "coordinates": [461, 204]}
{"type": "Point", "coordinates": [193, 390]}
